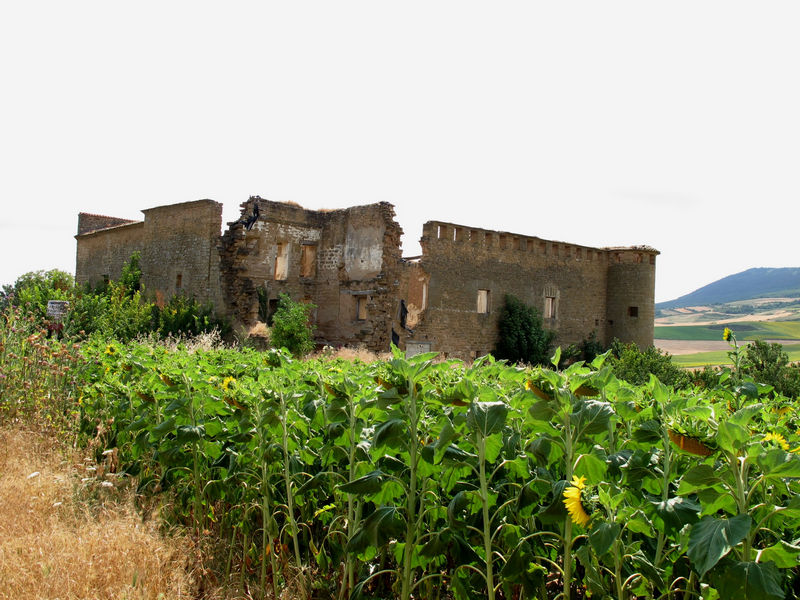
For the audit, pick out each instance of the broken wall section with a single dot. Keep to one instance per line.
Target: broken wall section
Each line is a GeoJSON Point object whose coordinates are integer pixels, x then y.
{"type": "Point", "coordinates": [346, 262]}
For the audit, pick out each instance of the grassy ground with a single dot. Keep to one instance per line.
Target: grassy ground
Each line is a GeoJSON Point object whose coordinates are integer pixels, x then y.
{"type": "Point", "coordinates": [721, 358]}
{"type": "Point", "coordinates": [774, 330]}
{"type": "Point", "coordinates": [64, 534]}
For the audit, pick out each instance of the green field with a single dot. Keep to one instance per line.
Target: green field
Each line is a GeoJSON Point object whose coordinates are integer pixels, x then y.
{"type": "Point", "coordinates": [721, 357]}
{"type": "Point", "coordinates": [744, 330]}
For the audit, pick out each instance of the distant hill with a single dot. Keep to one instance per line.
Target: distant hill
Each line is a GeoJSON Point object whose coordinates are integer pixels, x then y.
{"type": "Point", "coordinates": [753, 283]}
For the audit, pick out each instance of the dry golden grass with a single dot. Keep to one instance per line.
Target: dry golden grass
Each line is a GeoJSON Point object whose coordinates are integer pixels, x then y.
{"type": "Point", "coordinates": [61, 537]}
{"type": "Point", "coordinates": [352, 354]}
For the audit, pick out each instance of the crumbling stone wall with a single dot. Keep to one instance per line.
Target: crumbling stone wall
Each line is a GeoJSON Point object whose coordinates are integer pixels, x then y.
{"type": "Point", "coordinates": [348, 263]}
{"type": "Point", "coordinates": [351, 259]}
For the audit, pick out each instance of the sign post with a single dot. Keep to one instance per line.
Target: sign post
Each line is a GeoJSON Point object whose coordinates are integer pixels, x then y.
{"type": "Point", "coordinates": [56, 310]}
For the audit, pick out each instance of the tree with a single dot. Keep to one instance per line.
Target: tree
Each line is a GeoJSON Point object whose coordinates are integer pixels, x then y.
{"type": "Point", "coordinates": [521, 336]}
{"type": "Point", "coordinates": [635, 366]}
{"type": "Point", "coordinates": [291, 328]}
{"type": "Point", "coordinates": [768, 363]}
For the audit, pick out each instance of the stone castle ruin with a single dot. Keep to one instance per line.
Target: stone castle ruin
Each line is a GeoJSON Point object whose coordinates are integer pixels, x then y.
{"type": "Point", "coordinates": [348, 263]}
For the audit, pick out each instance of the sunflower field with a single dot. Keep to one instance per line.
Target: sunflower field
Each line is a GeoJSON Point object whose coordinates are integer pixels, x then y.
{"type": "Point", "coordinates": [418, 478]}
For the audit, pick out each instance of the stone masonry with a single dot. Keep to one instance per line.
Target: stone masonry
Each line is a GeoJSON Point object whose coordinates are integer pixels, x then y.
{"type": "Point", "coordinates": [348, 263]}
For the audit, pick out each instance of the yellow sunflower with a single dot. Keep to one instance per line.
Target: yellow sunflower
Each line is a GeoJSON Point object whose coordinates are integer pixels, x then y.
{"type": "Point", "coordinates": [726, 334]}
{"type": "Point", "coordinates": [226, 383]}
{"type": "Point", "coordinates": [778, 439]}
{"type": "Point", "coordinates": [572, 500]}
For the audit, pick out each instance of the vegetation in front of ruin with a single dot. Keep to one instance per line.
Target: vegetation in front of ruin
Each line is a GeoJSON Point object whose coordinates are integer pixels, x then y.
{"type": "Point", "coordinates": [418, 478]}
{"type": "Point", "coordinates": [119, 310]}
{"type": "Point", "coordinates": [521, 336]}
{"type": "Point", "coordinates": [291, 326]}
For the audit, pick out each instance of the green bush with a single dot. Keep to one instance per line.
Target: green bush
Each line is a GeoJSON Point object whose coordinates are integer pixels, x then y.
{"type": "Point", "coordinates": [635, 365]}
{"type": "Point", "coordinates": [521, 336]}
{"type": "Point", "coordinates": [768, 363]}
{"type": "Point", "coordinates": [31, 291]}
{"type": "Point", "coordinates": [184, 315]}
{"type": "Point", "coordinates": [291, 328]}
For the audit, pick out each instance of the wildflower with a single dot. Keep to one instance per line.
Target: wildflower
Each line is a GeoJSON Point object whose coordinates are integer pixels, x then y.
{"type": "Point", "coordinates": [110, 350]}
{"type": "Point", "coordinates": [778, 439]}
{"type": "Point", "coordinates": [572, 500]}
{"type": "Point", "coordinates": [726, 334]}
{"type": "Point", "coordinates": [227, 382]}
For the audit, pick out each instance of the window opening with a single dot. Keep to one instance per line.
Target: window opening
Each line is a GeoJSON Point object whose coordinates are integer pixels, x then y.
{"type": "Point", "coordinates": [178, 281]}
{"type": "Point", "coordinates": [281, 262]}
{"type": "Point", "coordinates": [550, 307]}
{"type": "Point", "coordinates": [308, 260]}
{"type": "Point", "coordinates": [361, 308]}
{"type": "Point", "coordinates": [633, 311]}
{"type": "Point", "coordinates": [483, 301]}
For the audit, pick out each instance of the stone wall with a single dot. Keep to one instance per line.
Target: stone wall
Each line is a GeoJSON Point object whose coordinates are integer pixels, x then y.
{"type": "Point", "coordinates": [101, 254]}
{"type": "Point", "coordinates": [346, 262]}
{"type": "Point", "coordinates": [180, 251]}
{"type": "Point", "coordinates": [631, 293]}
{"type": "Point", "coordinates": [177, 243]}
{"type": "Point", "coordinates": [88, 222]}
{"type": "Point", "coordinates": [470, 271]}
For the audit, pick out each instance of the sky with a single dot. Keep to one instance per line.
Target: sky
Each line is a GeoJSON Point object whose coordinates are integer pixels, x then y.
{"type": "Point", "coordinates": [674, 125]}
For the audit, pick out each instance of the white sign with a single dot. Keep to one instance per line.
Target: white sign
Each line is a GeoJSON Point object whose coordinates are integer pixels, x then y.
{"type": "Point", "coordinates": [57, 309]}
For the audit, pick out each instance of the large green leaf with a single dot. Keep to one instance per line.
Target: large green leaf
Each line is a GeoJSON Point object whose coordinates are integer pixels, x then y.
{"type": "Point", "coordinates": [743, 416]}
{"type": "Point", "coordinates": [748, 581]}
{"type": "Point", "coordinates": [592, 416]}
{"type": "Point", "coordinates": [778, 464]}
{"type": "Point", "coordinates": [677, 512]}
{"type": "Point", "coordinates": [393, 433]}
{"type": "Point", "coordinates": [591, 467]}
{"type": "Point", "coordinates": [732, 436]}
{"type": "Point", "coordinates": [370, 483]}
{"type": "Point", "coordinates": [602, 536]}
{"type": "Point", "coordinates": [711, 539]}
{"type": "Point", "coordinates": [487, 418]}
{"type": "Point", "coordinates": [697, 478]}
{"type": "Point", "coordinates": [190, 433]}
{"type": "Point", "coordinates": [785, 556]}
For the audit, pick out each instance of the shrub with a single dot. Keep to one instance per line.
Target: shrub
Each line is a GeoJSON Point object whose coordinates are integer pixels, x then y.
{"type": "Point", "coordinates": [768, 363]}
{"type": "Point", "coordinates": [521, 336]}
{"type": "Point", "coordinates": [31, 291]}
{"type": "Point", "coordinates": [633, 365]}
{"type": "Point", "coordinates": [291, 328]}
{"type": "Point", "coordinates": [184, 315]}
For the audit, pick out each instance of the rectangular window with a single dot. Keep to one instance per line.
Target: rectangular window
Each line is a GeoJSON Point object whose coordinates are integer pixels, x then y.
{"type": "Point", "coordinates": [178, 281]}
{"type": "Point", "coordinates": [361, 308]}
{"type": "Point", "coordinates": [633, 311]}
{"type": "Point", "coordinates": [282, 262]}
{"type": "Point", "coordinates": [308, 260]}
{"type": "Point", "coordinates": [550, 307]}
{"type": "Point", "coordinates": [424, 296]}
{"type": "Point", "coordinates": [483, 301]}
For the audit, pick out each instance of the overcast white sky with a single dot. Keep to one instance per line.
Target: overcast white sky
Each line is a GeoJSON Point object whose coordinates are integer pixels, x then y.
{"type": "Point", "coordinates": [675, 125]}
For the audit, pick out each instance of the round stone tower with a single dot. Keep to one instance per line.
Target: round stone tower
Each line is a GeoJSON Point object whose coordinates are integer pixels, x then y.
{"type": "Point", "coordinates": [630, 299]}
